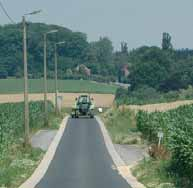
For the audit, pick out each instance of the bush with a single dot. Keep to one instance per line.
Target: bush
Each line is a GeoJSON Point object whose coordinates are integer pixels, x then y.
{"type": "Point", "coordinates": [145, 93]}
{"type": "Point", "coordinates": [148, 95]}
{"type": "Point", "coordinates": [3, 74]}
{"type": "Point", "coordinates": [141, 95]}
{"type": "Point", "coordinates": [121, 92]}
{"type": "Point", "coordinates": [186, 93]}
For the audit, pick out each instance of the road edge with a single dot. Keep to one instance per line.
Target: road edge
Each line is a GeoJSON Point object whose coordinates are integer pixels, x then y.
{"type": "Point", "coordinates": [123, 169]}
{"type": "Point", "coordinates": [47, 159]}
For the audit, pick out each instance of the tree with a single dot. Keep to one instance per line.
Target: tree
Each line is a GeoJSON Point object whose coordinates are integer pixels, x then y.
{"type": "Point", "coordinates": [166, 41]}
{"type": "Point", "coordinates": [99, 57]}
{"type": "Point", "coordinates": [151, 68]}
{"type": "Point", "coordinates": [124, 48]}
{"type": "Point", "coordinates": [104, 50]}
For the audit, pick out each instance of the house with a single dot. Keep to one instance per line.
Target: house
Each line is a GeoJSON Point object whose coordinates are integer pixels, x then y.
{"type": "Point", "coordinates": [125, 70]}
{"type": "Point", "coordinates": [83, 69]}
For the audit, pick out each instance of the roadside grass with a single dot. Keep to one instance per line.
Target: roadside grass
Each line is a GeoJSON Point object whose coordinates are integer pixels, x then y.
{"type": "Point", "coordinates": [154, 174]}
{"type": "Point", "coordinates": [18, 165]}
{"type": "Point", "coordinates": [15, 86]}
{"type": "Point", "coordinates": [18, 162]}
{"type": "Point", "coordinates": [121, 125]}
{"type": "Point", "coordinates": [53, 122]}
{"type": "Point", "coordinates": [66, 111]}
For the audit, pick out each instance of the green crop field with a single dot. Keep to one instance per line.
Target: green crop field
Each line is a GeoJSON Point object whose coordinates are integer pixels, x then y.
{"type": "Point", "coordinates": [13, 86]}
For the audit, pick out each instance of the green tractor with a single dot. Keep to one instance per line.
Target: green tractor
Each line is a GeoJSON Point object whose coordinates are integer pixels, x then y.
{"type": "Point", "coordinates": [84, 106]}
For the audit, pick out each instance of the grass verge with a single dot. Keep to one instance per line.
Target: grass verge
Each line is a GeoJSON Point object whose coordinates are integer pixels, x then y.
{"type": "Point", "coordinates": [18, 165]}
{"type": "Point", "coordinates": [121, 125]}
{"type": "Point", "coordinates": [154, 174]}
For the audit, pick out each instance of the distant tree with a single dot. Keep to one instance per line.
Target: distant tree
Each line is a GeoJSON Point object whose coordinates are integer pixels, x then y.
{"type": "Point", "coordinates": [151, 68]}
{"type": "Point", "coordinates": [3, 74]}
{"type": "Point", "coordinates": [104, 50]}
{"type": "Point", "coordinates": [91, 54]}
{"type": "Point", "coordinates": [166, 41]}
{"type": "Point", "coordinates": [124, 48]}
{"type": "Point", "coordinates": [99, 57]}
{"type": "Point", "coordinates": [121, 62]}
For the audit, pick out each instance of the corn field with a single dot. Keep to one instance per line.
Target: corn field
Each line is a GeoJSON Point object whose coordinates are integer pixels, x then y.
{"type": "Point", "coordinates": [177, 126]}
{"type": "Point", "coordinates": [12, 121]}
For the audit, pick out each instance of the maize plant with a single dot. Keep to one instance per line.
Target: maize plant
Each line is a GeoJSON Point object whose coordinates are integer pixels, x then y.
{"type": "Point", "coordinates": [12, 121]}
{"type": "Point", "coordinates": [177, 126]}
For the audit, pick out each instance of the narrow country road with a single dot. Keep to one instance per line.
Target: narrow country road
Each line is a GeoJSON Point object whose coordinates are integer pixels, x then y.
{"type": "Point", "coordinates": [82, 160]}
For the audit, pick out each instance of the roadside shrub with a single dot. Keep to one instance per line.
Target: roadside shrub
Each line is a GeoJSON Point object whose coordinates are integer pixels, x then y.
{"type": "Point", "coordinates": [158, 152]}
{"type": "Point", "coordinates": [171, 96]}
{"type": "Point", "coordinates": [121, 95]}
{"type": "Point", "coordinates": [186, 93]}
{"type": "Point", "coordinates": [147, 95]}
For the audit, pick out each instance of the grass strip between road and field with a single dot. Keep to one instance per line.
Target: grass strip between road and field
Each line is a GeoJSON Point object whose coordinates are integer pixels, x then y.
{"type": "Point", "coordinates": [121, 125]}
{"type": "Point", "coordinates": [153, 174]}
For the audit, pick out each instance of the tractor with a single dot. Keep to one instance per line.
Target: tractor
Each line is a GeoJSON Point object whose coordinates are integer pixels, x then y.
{"type": "Point", "coordinates": [84, 106]}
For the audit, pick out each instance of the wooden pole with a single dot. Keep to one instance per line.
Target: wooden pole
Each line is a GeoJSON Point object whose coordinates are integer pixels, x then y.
{"type": "Point", "coordinates": [26, 104]}
{"type": "Point", "coordinates": [56, 80]}
{"type": "Point", "coordinates": [45, 82]}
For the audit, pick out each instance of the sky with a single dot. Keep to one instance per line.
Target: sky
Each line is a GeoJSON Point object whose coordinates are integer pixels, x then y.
{"type": "Point", "coordinates": [137, 22]}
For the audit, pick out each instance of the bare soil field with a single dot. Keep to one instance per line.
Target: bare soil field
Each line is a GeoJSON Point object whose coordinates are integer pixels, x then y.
{"type": "Point", "coordinates": [162, 107]}
{"type": "Point", "coordinates": [100, 100]}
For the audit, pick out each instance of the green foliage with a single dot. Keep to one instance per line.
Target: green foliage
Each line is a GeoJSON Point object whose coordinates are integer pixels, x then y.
{"type": "Point", "coordinates": [121, 94]}
{"type": "Point", "coordinates": [121, 59]}
{"type": "Point", "coordinates": [121, 125]}
{"type": "Point", "coordinates": [12, 121]}
{"type": "Point", "coordinates": [151, 68]}
{"type": "Point", "coordinates": [162, 69]}
{"type": "Point", "coordinates": [178, 137]}
{"type": "Point", "coordinates": [77, 50]}
{"type": "Point", "coordinates": [147, 95]}
{"type": "Point", "coordinates": [166, 41]}
{"type": "Point", "coordinates": [144, 93]}
{"type": "Point", "coordinates": [141, 95]}
{"type": "Point", "coordinates": [154, 174]}
{"type": "Point", "coordinates": [18, 165]}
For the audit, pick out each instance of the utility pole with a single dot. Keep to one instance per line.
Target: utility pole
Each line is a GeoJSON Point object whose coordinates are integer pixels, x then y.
{"type": "Point", "coordinates": [26, 108]}
{"type": "Point", "coordinates": [26, 99]}
{"type": "Point", "coordinates": [45, 82]}
{"type": "Point", "coordinates": [45, 77]}
{"type": "Point", "coordinates": [56, 80]}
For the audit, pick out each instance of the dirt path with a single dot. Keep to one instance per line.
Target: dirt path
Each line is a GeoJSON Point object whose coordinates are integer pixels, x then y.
{"type": "Point", "coordinates": [159, 107]}
{"type": "Point", "coordinates": [101, 100]}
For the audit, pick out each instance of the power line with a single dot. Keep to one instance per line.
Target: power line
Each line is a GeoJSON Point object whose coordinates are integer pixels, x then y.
{"type": "Point", "coordinates": [6, 13]}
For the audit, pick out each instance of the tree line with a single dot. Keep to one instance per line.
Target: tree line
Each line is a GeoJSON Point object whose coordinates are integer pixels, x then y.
{"type": "Point", "coordinates": [97, 56]}
{"type": "Point", "coordinates": [145, 68]}
{"type": "Point", "coordinates": [159, 74]}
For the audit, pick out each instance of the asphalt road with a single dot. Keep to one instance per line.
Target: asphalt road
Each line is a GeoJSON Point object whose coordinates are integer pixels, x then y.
{"type": "Point", "coordinates": [82, 160]}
